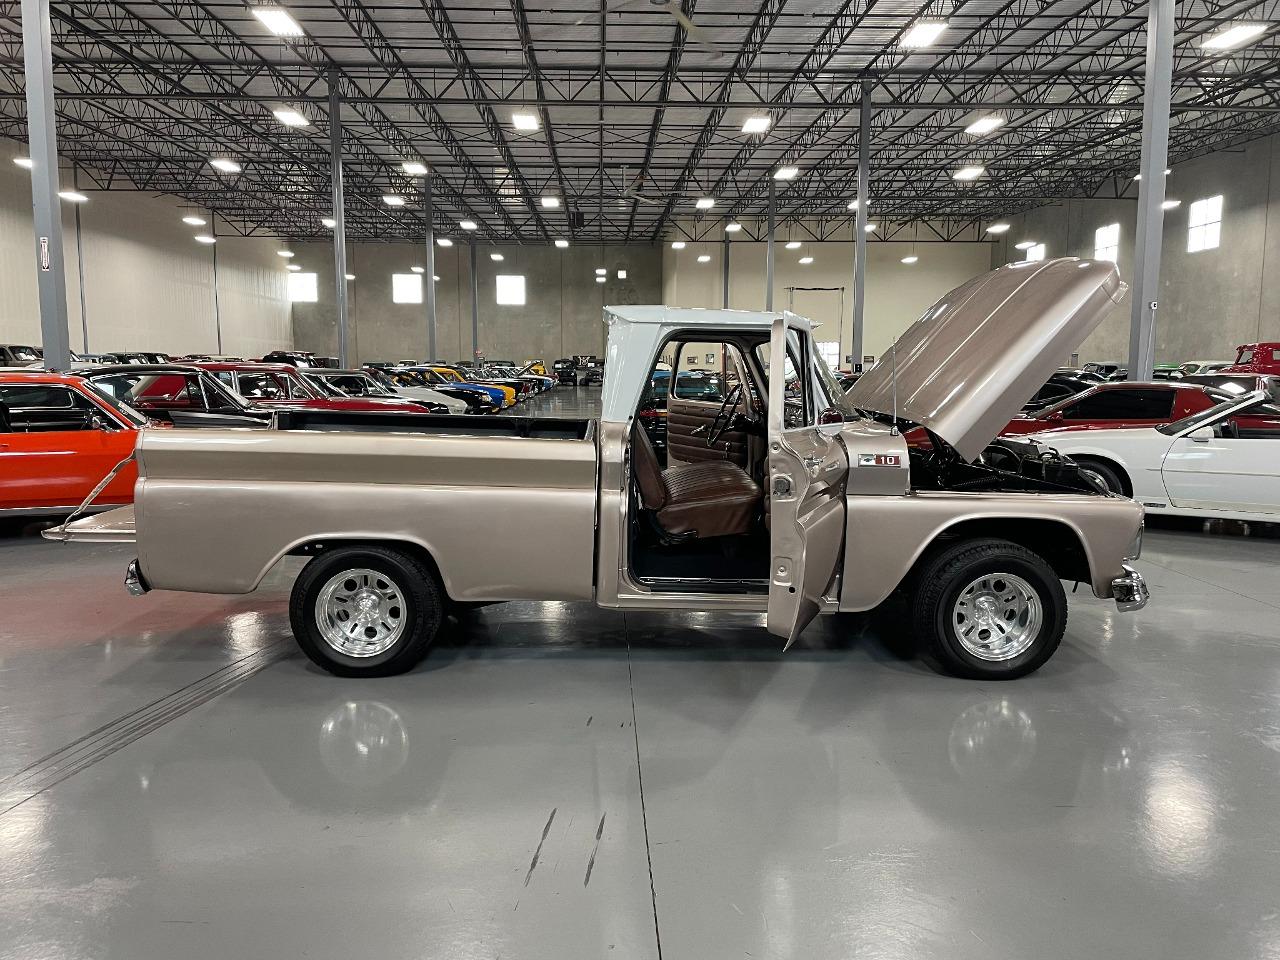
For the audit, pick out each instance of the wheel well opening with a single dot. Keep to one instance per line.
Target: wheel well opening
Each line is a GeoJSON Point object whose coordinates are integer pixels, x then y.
{"type": "Point", "coordinates": [314, 548]}
{"type": "Point", "coordinates": [1057, 543]}
{"type": "Point", "coordinates": [1085, 460]}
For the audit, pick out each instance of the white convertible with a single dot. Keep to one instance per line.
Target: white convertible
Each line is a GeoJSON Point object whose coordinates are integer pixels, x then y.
{"type": "Point", "coordinates": [1223, 462]}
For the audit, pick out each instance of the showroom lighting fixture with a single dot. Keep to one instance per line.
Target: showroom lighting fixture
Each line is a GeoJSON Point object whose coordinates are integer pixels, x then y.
{"type": "Point", "coordinates": [969, 173]}
{"type": "Point", "coordinates": [910, 258]}
{"type": "Point", "coordinates": [1138, 176]}
{"type": "Point", "coordinates": [223, 165]}
{"type": "Point", "coordinates": [923, 34]}
{"type": "Point", "coordinates": [600, 279]}
{"type": "Point", "coordinates": [524, 121]}
{"type": "Point", "coordinates": [677, 244]}
{"type": "Point", "coordinates": [292, 267]}
{"type": "Point", "coordinates": [756, 123]}
{"type": "Point", "coordinates": [705, 203]}
{"type": "Point", "coordinates": [291, 117]}
{"type": "Point", "coordinates": [870, 228]}
{"type": "Point", "coordinates": [415, 168]}
{"type": "Point", "coordinates": [329, 222]}
{"type": "Point", "coordinates": [853, 204]}
{"type": "Point", "coordinates": [287, 254]}
{"type": "Point", "coordinates": [786, 173]}
{"type": "Point", "coordinates": [205, 238]}
{"type": "Point", "coordinates": [278, 21]}
{"type": "Point", "coordinates": [1235, 36]}
{"type": "Point", "coordinates": [1171, 205]}
{"type": "Point", "coordinates": [793, 244]}
{"type": "Point", "coordinates": [192, 220]}
{"type": "Point", "coordinates": [562, 244]}
{"type": "Point", "coordinates": [806, 260]}
{"type": "Point", "coordinates": [998, 228]}
{"type": "Point", "coordinates": [495, 257]}
{"type": "Point", "coordinates": [704, 258]}
{"type": "Point", "coordinates": [418, 269]}
{"type": "Point", "coordinates": [393, 200]}
{"type": "Point", "coordinates": [467, 224]}
{"type": "Point", "coordinates": [25, 162]}
{"type": "Point", "coordinates": [1024, 245]}
{"type": "Point", "coordinates": [601, 271]}
{"type": "Point", "coordinates": [732, 227]}
{"type": "Point", "coordinates": [622, 274]}
{"type": "Point", "coordinates": [73, 196]}
{"type": "Point", "coordinates": [443, 242]}
{"type": "Point", "coordinates": [349, 276]}
{"type": "Point", "coordinates": [984, 125]}
{"type": "Point", "coordinates": [434, 278]}
{"type": "Point", "coordinates": [550, 203]}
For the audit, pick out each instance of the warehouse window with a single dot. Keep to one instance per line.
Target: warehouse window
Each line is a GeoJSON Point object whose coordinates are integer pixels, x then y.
{"type": "Point", "coordinates": [1204, 224]}
{"type": "Point", "coordinates": [1106, 243]}
{"type": "Point", "coordinates": [1036, 252]}
{"type": "Point", "coordinates": [510, 289]}
{"type": "Point", "coordinates": [829, 351]}
{"type": "Point", "coordinates": [406, 288]}
{"type": "Point", "coordinates": [302, 288]}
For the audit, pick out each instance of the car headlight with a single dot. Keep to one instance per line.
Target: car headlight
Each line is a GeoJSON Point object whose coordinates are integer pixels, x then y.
{"type": "Point", "coordinates": [1135, 548]}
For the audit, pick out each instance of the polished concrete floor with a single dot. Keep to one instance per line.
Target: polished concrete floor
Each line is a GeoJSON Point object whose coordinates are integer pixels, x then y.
{"type": "Point", "coordinates": [560, 782]}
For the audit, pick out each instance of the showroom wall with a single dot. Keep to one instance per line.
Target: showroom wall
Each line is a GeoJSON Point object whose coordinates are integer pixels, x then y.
{"type": "Point", "coordinates": [1210, 300]}
{"type": "Point", "coordinates": [561, 315]}
{"type": "Point", "coordinates": [147, 283]}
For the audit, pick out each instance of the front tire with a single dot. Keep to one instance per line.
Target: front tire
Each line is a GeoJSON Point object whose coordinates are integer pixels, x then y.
{"type": "Point", "coordinates": [989, 610]}
{"type": "Point", "coordinates": [365, 611]}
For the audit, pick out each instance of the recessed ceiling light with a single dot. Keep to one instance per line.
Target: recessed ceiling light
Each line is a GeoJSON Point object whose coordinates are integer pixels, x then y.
{"type": "Point", "coordinates": [705, 203]}
{"type": "Point", "coordinates": [73, 196]}
{"type": "Point", "coordinates": [601, 279]}
{"type": "Point", "coordinates": [969, 173]}
{"type": "Point", "coordinates": [923, 33]}
{"type": "Point", "coordinates": [911, 258]}
{"type": "Point", "coordinates": [1235, 36]}
{"type": "Point", "coordinates": [467, 224]}
{"type": "Point", "coordinates": [224, 165]}
{"type": "Point", "coordinates": [193, 220]}
{"type": "Point", "coordinates": [1024, 245]}
{"type": "Point", "coordinates": [287, 254]}
{"type": "Point", "coordinates": [704, 258]}
{"type": "Point", "coordinates": [998, 228]}
{"type": "Point", "coordinates": [329, 222]}
{"type": "Point", "coordinates": [984, 125]}
{"type": "Point", "coordinates": [292, 267]}
{"type": "Point", "coordinates": [418, 269]}
{"type": "Point", "coordinates": [205, 238]}
{"type": "Point", "coordinates": [806, 260]}
{"type": "Point", "coordinates": [349, 276]}
{"type": "Point", "coordinates": [291, 117]}
{"type": "Point", "coordinates": [1138, 176]}
{"type": "Point", "coordinates": [25, 162]}
{"type": "Point", "coordinates": [278, 21]}
{"type": "Point", "coordinates": [550, 203]}
{"type": "Point", "coordinates": [392, 200]}
{"type": "Point", "coordinates": [1171, 205]}
{"type": "Point", "coordinates": [414, 168]}
{"type": "Point", "coordinates": [622, 274]}
{"type": "Point", "coordinates": [786, 173]}
{"type": "Point", "coordinates": [757, 123]}
{"type": "Point", "coordinates": [495, 257]}
{"type": "Point", "coordinates": [562, 244]}
{"type": "Point", "coordinates": [601, 271]}
{"type": "Point", "coordinates": [443, 242]}
{"type": "Point", "coordinates": [870, 228]}
{"type": "Point", "coordinates": [524, 121]}
{"type": "Point", "coordinates": [677, 244]}
{"type": "Point", "coordinates": [732, 227]}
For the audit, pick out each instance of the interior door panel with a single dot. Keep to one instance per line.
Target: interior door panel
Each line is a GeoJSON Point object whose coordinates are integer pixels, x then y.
{"type": "Point", "coordinates": [686, 446]}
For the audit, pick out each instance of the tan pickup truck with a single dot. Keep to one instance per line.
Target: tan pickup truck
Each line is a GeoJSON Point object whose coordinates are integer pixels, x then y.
{"type": "Point", "coordinates": [780, 494]}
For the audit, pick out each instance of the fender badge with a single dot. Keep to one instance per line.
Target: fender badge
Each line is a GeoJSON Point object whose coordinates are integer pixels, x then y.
{"type": "Point", "coordinates": [879, 460]}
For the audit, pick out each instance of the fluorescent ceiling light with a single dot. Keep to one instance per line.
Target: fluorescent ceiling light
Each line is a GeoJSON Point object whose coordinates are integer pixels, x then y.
{"type": "Point", "coordinates": [193, 220]}
{"type": "Point", "coordinates": [786, 173]}
{"type": "Point", "coordinates": [622, 274]}
{"type": "Point", "coordinates": [287, 254]}
{"type": "Point", "coordinates": [1024, 245]}
{"type": "Point", "coordinates": [1235, 36]}
{"type": "Point", "coordinates": [495, 257]}
{"type": "Point", "coordinates": [349, 276]}
{"type": "Point", "coordinates": [998, 228]}
{"type": "Point", "coordinates": [467, 224]}
{"type": "Point", "coordinates": [756, 124]}
{"type": "Point", "coordinates": [871, 228]}
{"type": "Point", "coordinates": [732, 227]}
{"type": "Point", "coordinates": [601, 271]}
{"type": "Point", "coordinates": [278, 21]}
{"type": "Point", "coordinates": [550, 203]}
{"type": "Point", "coordinates": [984, 125]}
{"type": "Point", "coordinates": [292, 267]}
{"type": "Point", "coordinates": [923, 34]}
{"type": "Point", "coordinates": [853, 204]}
{"type": "Point", "coordinates": [704, 258]}
{"type": "Point", "coordinates": [224, 165]}
{"type": "Point", "coordinates": [969, 173]}
{"type": "Point", "coordinates": [601, 279]}
{"type": "Point", "coordinates": [524, 121]}
{"type": "Point", "coordinates": [329, 222]}
{"type": "Point", "coordinates": [793, 244]}
{"type": "Point", "coordinates": [205, 238]}
{"type": "Point", "coordinates": [414, 168]}
{"type": "Point", "coordinates": [912, 258]}
{"type": "Point", "coordinates": [562, 244]}
{"type": "Point", "coordinates": [73, 196]}
{"type": "Point", "coordinates": [677, 244]}
{"type": "Point", "coordinates": [418, 269]}
{"type": "Point", "coordinates": [705, 203]}
{"type": "Point", "coordinates": [443, 242]}
{"type": "Point", "coordinates": [1171, 205]}
{"type": "Point", "coordinates": [1138, 176]}
{"type": "Point", "coordinates": [806, 260]}
{"type": "Point", "coordinates": [434, 278]}
{"type": "Point", "coordinates": [24, 162]}
{"type": "Point", "coordinates": [392, 200]}
{"type": "Point", "coordinates": [291, 117]}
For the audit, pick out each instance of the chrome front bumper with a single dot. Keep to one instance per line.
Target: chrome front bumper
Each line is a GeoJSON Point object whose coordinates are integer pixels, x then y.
{"type": "Point", "coordinates": [134, 581]}
{"type": "Point", "coordinates": [1130, 591]}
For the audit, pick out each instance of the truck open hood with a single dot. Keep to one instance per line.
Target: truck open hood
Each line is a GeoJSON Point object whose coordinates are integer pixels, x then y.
{"type": "Point", "coordinates": [967, 366]}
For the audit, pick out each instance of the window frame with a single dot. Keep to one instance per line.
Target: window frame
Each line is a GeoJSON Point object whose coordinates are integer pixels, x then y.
{"type": "Point", "coordinates": [1204, 224]}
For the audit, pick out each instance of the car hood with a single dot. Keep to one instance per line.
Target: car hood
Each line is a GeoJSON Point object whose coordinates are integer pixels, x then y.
{"type": "Point", "coordinates": [966, 367]}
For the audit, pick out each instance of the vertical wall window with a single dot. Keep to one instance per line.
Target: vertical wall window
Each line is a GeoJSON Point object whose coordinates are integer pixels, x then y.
{"type": "Point", "coordinates": [302, 288]}
{"type": "Point", "coordinates": [406, 288]}
{"type": "Point", "coordinates": [1204, 224]}
{"type": "Point", "coordinates": [1036, 252]}
{"type": "Point", "coordinates": [829, 351]}
{"type": "Point", "coordinates": [1106, 243]}
{"type": "Point", "coordinates": [510, 289]}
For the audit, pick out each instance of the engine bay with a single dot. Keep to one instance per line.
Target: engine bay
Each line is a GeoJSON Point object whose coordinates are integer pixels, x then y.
{"type": "Point", "coordinates": [1006, 465]}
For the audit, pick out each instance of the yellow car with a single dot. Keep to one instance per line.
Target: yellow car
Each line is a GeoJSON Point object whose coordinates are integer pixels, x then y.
{"type": "Point", "coordinates": [538, 367]}
{"type": "Point", "coordinates": [508, 393]}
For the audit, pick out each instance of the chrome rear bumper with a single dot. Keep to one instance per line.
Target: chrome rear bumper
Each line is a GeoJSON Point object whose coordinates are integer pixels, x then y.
{"type": "Point", "coordinates": [1130, 591]}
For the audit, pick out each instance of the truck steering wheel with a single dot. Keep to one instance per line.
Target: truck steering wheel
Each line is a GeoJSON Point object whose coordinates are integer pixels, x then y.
{"type": "Point", "coordinates": [724, 416]}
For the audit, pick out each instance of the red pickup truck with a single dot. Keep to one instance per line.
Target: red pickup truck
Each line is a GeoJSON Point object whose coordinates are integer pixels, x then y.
{"type": "Point", "coordinates": [1255, 358]}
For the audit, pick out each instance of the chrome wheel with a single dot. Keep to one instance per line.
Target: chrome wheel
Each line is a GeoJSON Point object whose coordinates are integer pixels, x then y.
{"type": "Point", "coordinates": [361, 612]}
{"type": "Point", "coordinates": [997, 616]}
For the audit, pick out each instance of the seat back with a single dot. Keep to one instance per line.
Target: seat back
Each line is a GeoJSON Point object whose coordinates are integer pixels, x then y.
{"type": "Point", "coordinates": [647, 470]}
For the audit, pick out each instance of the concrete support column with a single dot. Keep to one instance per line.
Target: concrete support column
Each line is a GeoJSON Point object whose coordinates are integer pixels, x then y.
{"type": "Point", "coordinates": [769, 254]}
{"type": "Point", "coordinates": [339, 222]}
{"type": "Point", "coordinates": [475, 305]}
{"type": "Point", "coordinates": [1155, 157]}
{"type": "Point", "coordinates": [724, 274]}
{"type": "Point", "coordinates": [431, 270]}
{"type": "Point", "coordinates": [860, 224]}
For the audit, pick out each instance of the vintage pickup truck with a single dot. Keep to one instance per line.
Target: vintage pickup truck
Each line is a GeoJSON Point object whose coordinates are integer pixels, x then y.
{"type": "Point", "coordinates": [786, 497]}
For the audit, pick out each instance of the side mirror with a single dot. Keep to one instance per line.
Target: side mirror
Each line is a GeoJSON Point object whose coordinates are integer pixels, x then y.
{"type": "Point", "coordinates": [830, 415]}
{"type": "Point", "coordinates": [1201, 435]}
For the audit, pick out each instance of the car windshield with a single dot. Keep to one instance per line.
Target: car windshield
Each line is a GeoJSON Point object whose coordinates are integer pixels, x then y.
{"type": "Point", "coordinates": [125, 411]}
{"type": "Point", "coordinates": [354, 384]}
{"type": "Point", "coordinates": [1258, 408]}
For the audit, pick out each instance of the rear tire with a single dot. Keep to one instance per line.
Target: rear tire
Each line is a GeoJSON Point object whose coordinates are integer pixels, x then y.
{"type": "Point", "coordinates": [988, 610]}
{"type": "Point", "coordinates": [366, 611]}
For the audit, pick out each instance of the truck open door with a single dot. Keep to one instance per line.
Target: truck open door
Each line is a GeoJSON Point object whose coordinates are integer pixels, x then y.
{"type": "Point", "coordinates": [808, 469]}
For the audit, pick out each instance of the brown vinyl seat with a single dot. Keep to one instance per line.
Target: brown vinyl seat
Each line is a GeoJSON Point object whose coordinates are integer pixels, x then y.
{"type": "Point", "coordinates": [714, 498]}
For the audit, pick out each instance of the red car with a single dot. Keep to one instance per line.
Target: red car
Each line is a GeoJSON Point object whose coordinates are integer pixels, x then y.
{"type": "Point", "coordinates": [58, 438]}
{"type": "Point", "coordinates": [1255, 358]}
{"type": "Point", "coordinates": [280, 386]}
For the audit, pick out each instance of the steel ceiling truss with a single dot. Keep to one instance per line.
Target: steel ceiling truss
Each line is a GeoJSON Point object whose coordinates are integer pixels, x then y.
{"type": "Point", "coordinates": [150, 90]}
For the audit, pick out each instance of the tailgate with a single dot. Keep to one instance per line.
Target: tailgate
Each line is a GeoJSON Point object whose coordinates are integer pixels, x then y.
{"type": "Point", "coordinates": [111, 526]}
